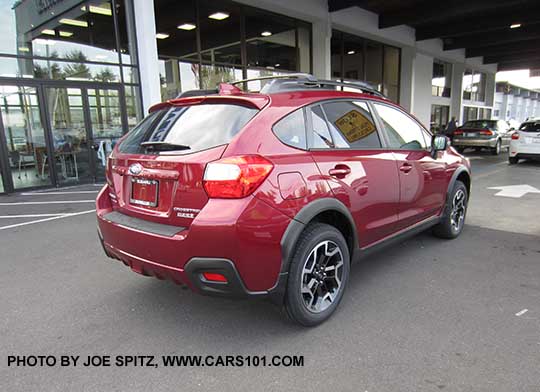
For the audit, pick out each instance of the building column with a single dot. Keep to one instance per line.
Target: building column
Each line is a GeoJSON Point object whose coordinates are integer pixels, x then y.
{"type": "Point", "coordinates": [145, 27]}
{"type": "Point", "coordinates": [322, 34]}
{"type": "Point", "coordinates": [456, 105]}
{"type": "Point", "coordinates": [406, 82]}
{"type": "Point", "coordinates": [490, 89]}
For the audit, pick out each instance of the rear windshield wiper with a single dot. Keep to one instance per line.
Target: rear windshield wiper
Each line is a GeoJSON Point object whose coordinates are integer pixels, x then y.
{"type": "Point", "coordinates": [164, 146]}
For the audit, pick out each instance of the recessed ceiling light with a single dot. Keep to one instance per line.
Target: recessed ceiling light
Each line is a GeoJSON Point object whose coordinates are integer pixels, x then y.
{"type": "Point", "coordinates": [48, 32]}
{"type": "Point", "coordinates": [100, 10]}
{"type": "Point", "coordinates": [351, 52]}
{"type": "Point", "coordinates": [162, 36]}
{"type": "Point", "coordinates": [219, 15]}
{"type": "Point", "coordinates": [515, 25]}
{"type": "Point", "coordinates": [187, 26]}
{"type": "Point", "coordinates": [74, 22]}
{"type": "Point", "coordinates": [277, 65]}
{"type": "Point", "coordinates": [266, 33]}
{"type": "Point", "coordinates": [65, 33]}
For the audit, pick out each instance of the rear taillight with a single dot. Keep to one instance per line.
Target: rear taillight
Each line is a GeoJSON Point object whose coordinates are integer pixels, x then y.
{"type": "Point", "coordinates": [515, 136]}
{"type": "Point", "coordinates": [458, 132]}
{"type": "Point", "coordinates": [235, 177]}
{"type": "Point", "coordinates": [108, 170]}
{"type": "Point", "coordinates": [486, 132]}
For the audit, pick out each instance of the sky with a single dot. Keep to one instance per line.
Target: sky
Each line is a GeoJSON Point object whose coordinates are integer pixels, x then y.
{"type": "Point", "coordinates": [519, 78]}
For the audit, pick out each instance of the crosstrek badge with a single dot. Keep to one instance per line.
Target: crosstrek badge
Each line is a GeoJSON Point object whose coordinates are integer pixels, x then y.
{"type": "Point", "coordinates": [354, 126]}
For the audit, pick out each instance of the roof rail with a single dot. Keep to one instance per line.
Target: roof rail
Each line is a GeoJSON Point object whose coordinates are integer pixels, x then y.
{"type": "Point", "coordinates": [293, 81]}
{"type": "Point", "coordinates": [298, 76]}
{"type": "Point", "coordinates": [281, 85]}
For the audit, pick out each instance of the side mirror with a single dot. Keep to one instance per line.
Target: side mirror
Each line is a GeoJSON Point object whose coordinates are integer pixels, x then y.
{"type": "Point", "coordinates": [438, 143]}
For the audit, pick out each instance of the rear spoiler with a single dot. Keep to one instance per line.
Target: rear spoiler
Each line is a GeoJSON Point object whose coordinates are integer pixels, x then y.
{"type": "Point", "coordinates": [224, 93]}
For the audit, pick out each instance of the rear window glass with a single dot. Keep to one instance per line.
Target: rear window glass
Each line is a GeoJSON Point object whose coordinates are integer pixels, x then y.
{"type": "Point", "coordinates": [480, 124]}
{"type": "Point", "coordinates": [198, 127]}
{"type": "Point", "coordinates": [530, 127]}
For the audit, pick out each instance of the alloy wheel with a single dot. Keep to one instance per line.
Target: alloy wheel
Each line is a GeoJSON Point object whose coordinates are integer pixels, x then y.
{"type": "Point", "coordinates": [457, 216]}
{"type": "Point", "coordinates": [322, 276]}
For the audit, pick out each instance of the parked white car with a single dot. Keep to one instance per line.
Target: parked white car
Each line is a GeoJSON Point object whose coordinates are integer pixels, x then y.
{"type": "Point", "coordinates": [525, 142]}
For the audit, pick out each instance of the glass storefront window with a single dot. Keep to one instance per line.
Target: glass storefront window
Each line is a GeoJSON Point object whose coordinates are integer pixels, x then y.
{"type": "Point", "coordinates": [441, 81]}
{"type": "Point", "coordinates": [25, 136]}
{"type": "Point", "coordinates": [355, 58]}
{"type": "Point", "coordinates": [474, 86]}
{"type": "Point", "coordinates": [374, 64]}
{"type": "Point", "coordinates": [439, 118]}
{"type": "Point", "coordinates": [270, 40]}
{"type": "Point", "coordinates": [73, 40]}
{"type": "Point", "coordinates": [467, 84]}
{"type": "Point", "coordinates": [391, 73]}
{"type": "Point", "coordinates": [219, 24]}
{"type": "Point", "coordinates": [212, 75]}
{"type": "Point", "coordinates": [234, 41]}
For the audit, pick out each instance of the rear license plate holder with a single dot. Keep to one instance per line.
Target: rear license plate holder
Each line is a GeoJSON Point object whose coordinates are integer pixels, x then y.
{"type": "Point", "coordinates": [144, 192]}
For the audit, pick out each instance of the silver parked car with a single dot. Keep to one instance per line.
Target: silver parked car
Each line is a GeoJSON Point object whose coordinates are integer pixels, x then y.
{"type": "Point", "coordinates": [492, 134]}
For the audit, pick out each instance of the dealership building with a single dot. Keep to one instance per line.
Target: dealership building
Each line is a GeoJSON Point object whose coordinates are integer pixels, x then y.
{"type": "Point", "coordinates": [76, 75]}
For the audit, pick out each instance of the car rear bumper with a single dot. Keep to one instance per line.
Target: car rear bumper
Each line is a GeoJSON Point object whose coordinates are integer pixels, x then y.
{"type": "Point", "coordinates": [524, 150]}
{"type": "Point", "coordinates": [461, 142]}
{"type": "Point", "coordinates": [250, 262]}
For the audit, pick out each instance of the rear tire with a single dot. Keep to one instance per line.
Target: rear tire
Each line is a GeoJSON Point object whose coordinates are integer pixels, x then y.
{"type": "Point", "coordinates": [513, 160]}
{"type": "Point", "coordinates": [461, 150]}
{"type": "Point", "coordinates": [497, 149]}
{"type": "Point", "coordinates": [318, 275]}
{"type": "Point", "coordinates": [453, 219]}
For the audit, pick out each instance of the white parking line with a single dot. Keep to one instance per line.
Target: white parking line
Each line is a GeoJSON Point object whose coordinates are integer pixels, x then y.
{"type": "Point", "coordinates": [50, 190]}
{"type": "Point", "coordinates": [55, 193]}
{"type": "Point", "coordinates": [46, 219]}
{"type": "Point", "coordinates": [522, 312]}
{"type": "Point", "coordinates": [29, 216]}
{"type": "Point", "coordinates": [20, 203]}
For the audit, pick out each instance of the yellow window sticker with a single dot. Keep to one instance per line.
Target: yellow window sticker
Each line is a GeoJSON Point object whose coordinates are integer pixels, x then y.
{"type": "Point", "coordinates": [354, 126]}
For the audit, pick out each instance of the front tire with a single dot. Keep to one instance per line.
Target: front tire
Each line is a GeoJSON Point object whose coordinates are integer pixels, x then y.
{"type": "Point", "coordinates": [453, 219]}
{"type": "Point", "coordinates": [318, 275]}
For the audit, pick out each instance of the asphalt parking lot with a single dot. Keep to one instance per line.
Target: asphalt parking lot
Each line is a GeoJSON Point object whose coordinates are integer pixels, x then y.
{"type": "Point", "coordinates": [424, 315]}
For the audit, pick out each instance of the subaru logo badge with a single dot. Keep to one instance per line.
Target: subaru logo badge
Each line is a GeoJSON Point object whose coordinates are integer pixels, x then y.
{"type": "Point", "coordinates": [135, 169]}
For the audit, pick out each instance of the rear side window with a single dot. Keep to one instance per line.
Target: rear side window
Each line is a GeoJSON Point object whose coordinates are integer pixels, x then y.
{"type": "Point", "coordinates": [352, 125]}
{"type": "Point", "coordinates": [291, 129]}
{"type": "Point", "coordinates": [198, 127]}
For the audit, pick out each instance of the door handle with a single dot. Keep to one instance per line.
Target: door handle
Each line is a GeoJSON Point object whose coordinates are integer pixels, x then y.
{"type": "Point", "coordinates": [405, 168]}
{"type": "Point", "coordinates": [340, 171]}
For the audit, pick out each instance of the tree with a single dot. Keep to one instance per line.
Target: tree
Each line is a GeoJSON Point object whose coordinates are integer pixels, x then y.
{"type": "Point", "coordinates": [77, 70]}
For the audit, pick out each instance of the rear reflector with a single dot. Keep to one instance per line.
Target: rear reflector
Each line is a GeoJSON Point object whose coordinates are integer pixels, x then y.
{"type": "Point", "coordinates": [214, 277]}
{"type": "Point", "coordinates": [235, 177]}
{"type": "Point", "coordinates": [515, 136]}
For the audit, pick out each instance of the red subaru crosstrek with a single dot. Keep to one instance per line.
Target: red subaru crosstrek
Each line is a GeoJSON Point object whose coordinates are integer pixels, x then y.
{"type": "Point", "coordinates": [274, 194]}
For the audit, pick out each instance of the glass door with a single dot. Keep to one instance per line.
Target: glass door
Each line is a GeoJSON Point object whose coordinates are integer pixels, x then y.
{"type": "Point", "coordinates": [106, 117]}
{"type": "Point", "coordinates": [70, 135]}
{"type": "Point", "coordinates": [23, 138]}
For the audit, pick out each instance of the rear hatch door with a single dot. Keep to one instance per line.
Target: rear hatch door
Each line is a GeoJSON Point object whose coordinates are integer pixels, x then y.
{"type": "Point", "coordinates": [158, 168]}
